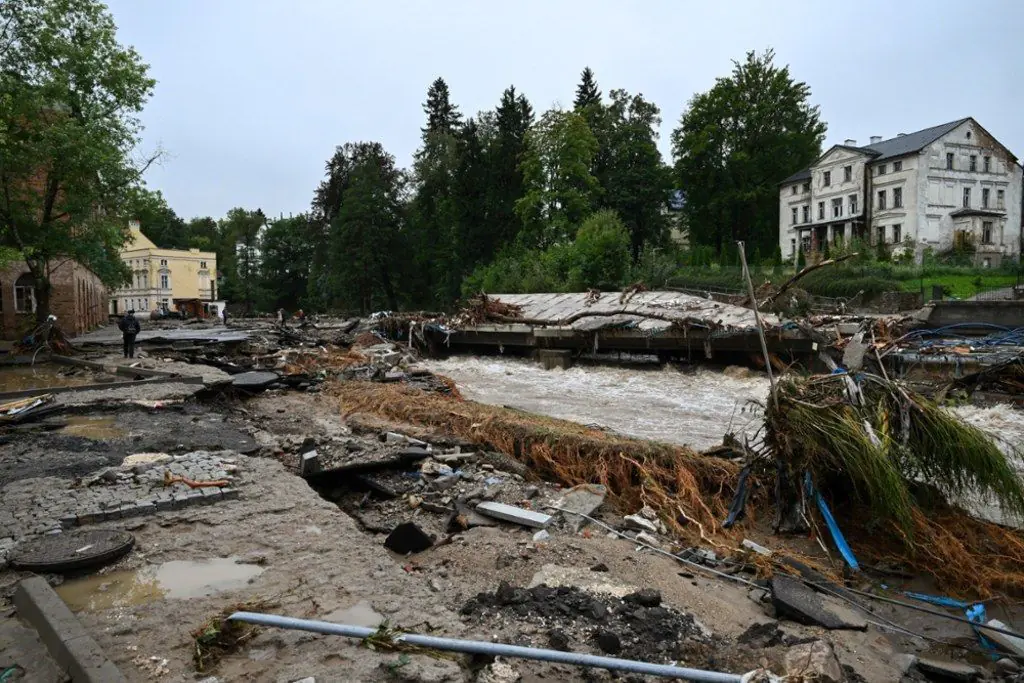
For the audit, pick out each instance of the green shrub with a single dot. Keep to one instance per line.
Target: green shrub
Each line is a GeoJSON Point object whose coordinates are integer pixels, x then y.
{"type": "Point", "coordinates": [600, 255]}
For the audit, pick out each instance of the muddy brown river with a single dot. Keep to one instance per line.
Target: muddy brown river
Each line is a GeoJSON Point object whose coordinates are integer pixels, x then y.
{"type": "Point", "coordinates": [645, 400]}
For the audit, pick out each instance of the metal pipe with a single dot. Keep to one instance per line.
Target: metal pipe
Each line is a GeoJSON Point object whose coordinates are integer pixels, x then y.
{"type": "Point", "coordinates": [492, 649]}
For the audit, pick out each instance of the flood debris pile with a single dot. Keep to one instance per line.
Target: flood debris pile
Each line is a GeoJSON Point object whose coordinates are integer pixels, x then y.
{"type": "Point", "coordinates": [636, 626]}
{"type": "Point", "coordinates": [895, 468]}
{"type": "Point", "coordinates": [679, 483]}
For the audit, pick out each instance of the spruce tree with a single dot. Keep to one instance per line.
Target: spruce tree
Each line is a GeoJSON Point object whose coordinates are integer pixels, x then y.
{"type": "Point", "coordinates": [587, 92]}
{"type": "Point", "coordinates": [442, 115]}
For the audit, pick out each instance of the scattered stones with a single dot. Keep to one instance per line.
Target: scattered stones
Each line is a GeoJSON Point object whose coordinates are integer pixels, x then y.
{"type": "Point", "coordinates": [1007, 666]}
{"type": "Point", "coordinates": [599, 567]}
{"type": "Point", "coordinates": [408, 538]}
{"type": "Point", "coordinates": [499, 672]}
{"type": "Point", "coordinates": [648, 539]}
{"type": "Point", "coordinates": [1005, 641]}
{"type": "Point", "coordinates": [541, 536]}
{"type": "Point", "coordinates": [761, 635]}
{"type": "Point", "coordinates": [814, 661]}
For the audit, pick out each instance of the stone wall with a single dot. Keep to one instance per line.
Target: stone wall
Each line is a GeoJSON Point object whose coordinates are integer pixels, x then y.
{"type": "Point", "coordinates": [77, 298]}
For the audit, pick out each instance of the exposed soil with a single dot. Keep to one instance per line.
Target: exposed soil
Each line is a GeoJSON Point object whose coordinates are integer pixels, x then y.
{"type": "Point", "coordinates": [321, 556]}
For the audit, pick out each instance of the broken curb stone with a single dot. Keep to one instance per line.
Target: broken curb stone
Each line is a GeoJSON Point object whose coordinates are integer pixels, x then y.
{"type": "Point", "coordinates": [946, 670]}
{"type": "Point", "coordinates": [408, 538]}
{"type": "Point", "coordinates": [516, 515]}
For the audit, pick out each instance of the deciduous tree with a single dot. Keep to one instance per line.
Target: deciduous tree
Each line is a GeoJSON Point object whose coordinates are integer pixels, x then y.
{"type": "Point", "coordinates": [735, 143]}
{"type": "Point", "coordinates": [70, 95]}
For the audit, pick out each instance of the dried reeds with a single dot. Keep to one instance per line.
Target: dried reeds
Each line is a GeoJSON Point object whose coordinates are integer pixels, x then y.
{"type": "Point", "coordinates": [891, 461]}
{"type": "Point", "coordinates": [674, 480]}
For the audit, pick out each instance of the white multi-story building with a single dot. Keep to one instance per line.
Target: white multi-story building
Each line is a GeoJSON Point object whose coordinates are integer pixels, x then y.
{"type": "Point", "coordinates": [939, 187]}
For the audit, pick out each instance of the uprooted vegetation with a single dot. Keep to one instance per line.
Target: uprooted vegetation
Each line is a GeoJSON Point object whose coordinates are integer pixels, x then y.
{"type": "Point", "coordinates": [870, 461]}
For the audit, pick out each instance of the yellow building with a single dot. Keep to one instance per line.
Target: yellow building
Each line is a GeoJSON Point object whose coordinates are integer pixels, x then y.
{"type": "Point", "coordinates": [170, 279]}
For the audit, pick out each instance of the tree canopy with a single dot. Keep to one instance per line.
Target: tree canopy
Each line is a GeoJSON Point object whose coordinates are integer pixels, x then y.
{"type": "Point", "coordinates": [70, 95]}
{"type": "Point", "coordinates": [733, 146]}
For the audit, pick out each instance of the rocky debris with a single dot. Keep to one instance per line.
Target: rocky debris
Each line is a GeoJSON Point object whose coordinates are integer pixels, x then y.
{"type": "Point", "coordinates": [638, 523]}
{"type": "Point", "coordinates": [408, 538]}
{"type": "Point", "coordinates": [793, 599]}
{"type": "Point", "coordinates": [636, 626]}
{"type": "Point", "coordinates": [814, 661]}
{"type": "Point", "coordinates": [256, 380]}
{"type": "Point", "coordinates": [1006, 642]}
{"type": "Point", "coordinates": [498, 672]}
{"type": "Point", "coordinates": [516, 515]}
{"type": "Point", "coordinates": [761, 635]}
{"type": "Point", "coordinates": [138, 489]}
{"type": "Point", "coordinates": [946, 670]}
{"type": "Point", "coordinates": [584, 499]}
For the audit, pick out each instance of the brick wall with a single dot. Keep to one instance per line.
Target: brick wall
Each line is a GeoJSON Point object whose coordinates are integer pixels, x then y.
{"type": "Point", "coordinates": [77, 298]}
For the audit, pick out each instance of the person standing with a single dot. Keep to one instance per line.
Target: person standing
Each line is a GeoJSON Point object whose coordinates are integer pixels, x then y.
{"type": "Point", "coordinates": [224, 313]}
{"type": "Point", "coordinates": [129, 326]}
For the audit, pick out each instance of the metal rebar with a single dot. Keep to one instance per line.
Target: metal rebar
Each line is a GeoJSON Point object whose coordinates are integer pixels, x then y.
{"type": "Point", "coordinates": [491, 649]}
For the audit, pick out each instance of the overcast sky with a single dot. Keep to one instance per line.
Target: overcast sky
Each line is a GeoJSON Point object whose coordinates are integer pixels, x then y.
{"type": "Point", "coordinates": [253, 95]}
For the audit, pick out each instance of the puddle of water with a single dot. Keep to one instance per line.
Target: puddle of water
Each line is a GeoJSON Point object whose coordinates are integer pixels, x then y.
{"type": "Point", "coordinates": [48, 376]}
{"type": "Point", "coordinates": [175, 580]}
{"type": "Point", "coordinates": [96, 427]}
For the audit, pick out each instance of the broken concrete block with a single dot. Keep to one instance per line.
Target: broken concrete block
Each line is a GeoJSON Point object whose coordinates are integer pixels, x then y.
{"type": "Point", "coordinates": [541, 536]}
{"type": "Point", "coordinates": [793, 599]}
{"type": "Point", "coordinates": [756, 547]}
{"type": "Point", "coordinates": [584, 499]}
{"type": "Point", "coordinates": [408, 538]}
{"type": "Point", "coordinates": [1005, 642]}
{"type": "Point", "coordinates": [466, 517]}
{"type": "Point", "coordinates": [640, 524]}
{"type": "Point", "coordinates": [648, 539]}
{"type": "Point", "coordinates": [309, 463]}
{"type": "Point", "coordinates": [952, 671]}
{"type": "Point", "coordinates": [254, 380]}
{"type": "Point", "coordinates": [814, 661]}
{"type": "Point", "coordinates": [516, 515]}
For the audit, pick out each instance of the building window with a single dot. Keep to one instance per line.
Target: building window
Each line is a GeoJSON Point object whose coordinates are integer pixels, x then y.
{"type": "Point", "coordinates": [807, 187]}
{"type": "Point", "coordinates": [828, 178]}
{"type": "Point", "coordinates": [848, 173]}
{"type": "Point", "coordinates": [1000, 199]}
{"type": "Point", "coordinates": [792, 246]}
{"type": "Point", "coordinates": [202, 264]}
{"type": "Point", "coordinates": [881, 200]}
{"type": "Point", "coordinates": [25, 294]}
{"type": "Point", "coordinates": [974, 163]}
{"type": "Point", "coordinates": [807, 214]}
{"type": "Point", "coordinates": [793, 221]}
{"type": "Point", "coordinates": [880, 234]}
{"type": "Point", "coordinates": [837, 208]}
{"type": "Point", "coordinates": [896, 229]}
{"type": "Point", "coordinates": [881, 169]}
{"type": "Point", "coordinates": [949, 161]}
{"type": "Point", "coordinates": [987, 161]}
{"type": "Point", "coordinates": [164, 282]}
{"type": "Point", "coordinates": [853, 204]}
{"type": "Point", "coordinates": [984, 197]}
{"type": "Point", "coordinates": [967, 197]}
{"type": "Point", "coordinates": [794, 192]}
{"type": "Point", "coordinates": [821, 211]}
{"type": "Point", "coordinates": [897, 166]}
{"type": "Point", "coordinates": [163, 262]}
{"type": "Point", "coordinates": [897, 197]}
{"type": "Point", "coordinates": [986, 232]}
{"type": "Point", "coordinates": [986, 263]}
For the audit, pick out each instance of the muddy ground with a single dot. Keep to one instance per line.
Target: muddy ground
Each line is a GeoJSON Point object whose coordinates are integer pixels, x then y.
{"type": "Point", "coordinates": [318, 561]}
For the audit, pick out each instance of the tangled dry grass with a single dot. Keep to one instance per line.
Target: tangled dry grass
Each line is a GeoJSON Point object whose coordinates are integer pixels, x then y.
{"type": "Point", "coordinates": [691, 492]}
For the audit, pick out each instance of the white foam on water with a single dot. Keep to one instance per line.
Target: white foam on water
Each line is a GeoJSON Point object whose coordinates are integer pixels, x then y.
{"type": "Point", "coordinates": [694, 408]}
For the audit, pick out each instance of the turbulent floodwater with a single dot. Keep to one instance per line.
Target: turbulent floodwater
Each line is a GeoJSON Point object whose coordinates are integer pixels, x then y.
{"type": "Point", "coordinates": [645, 400]}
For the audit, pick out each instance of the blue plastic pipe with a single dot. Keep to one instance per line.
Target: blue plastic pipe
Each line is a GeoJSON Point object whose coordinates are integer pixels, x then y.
{"type": "Point", "coordinates": [477, 647]}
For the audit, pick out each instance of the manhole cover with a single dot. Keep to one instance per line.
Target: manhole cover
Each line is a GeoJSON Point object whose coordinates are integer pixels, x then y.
{"type": "Point", "coordinates": [72, 550]}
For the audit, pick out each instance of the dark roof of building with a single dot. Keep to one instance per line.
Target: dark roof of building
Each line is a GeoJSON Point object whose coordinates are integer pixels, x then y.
{"type": "Point", "coordinates": [911, 142]}
{"type": "Point", "coordinates": [893, 147]}
{"type": "Point", "coordinates": [798, 176]}
{"type": "Point", "coordinates": [978, 212]}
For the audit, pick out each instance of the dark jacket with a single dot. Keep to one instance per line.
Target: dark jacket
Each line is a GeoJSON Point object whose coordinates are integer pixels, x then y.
{"type": "Point", "coordinates": [129, 324]}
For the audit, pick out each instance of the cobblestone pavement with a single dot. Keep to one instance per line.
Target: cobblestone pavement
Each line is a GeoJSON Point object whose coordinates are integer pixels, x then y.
{"type": "Point", "coordinates": [31, 507]}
